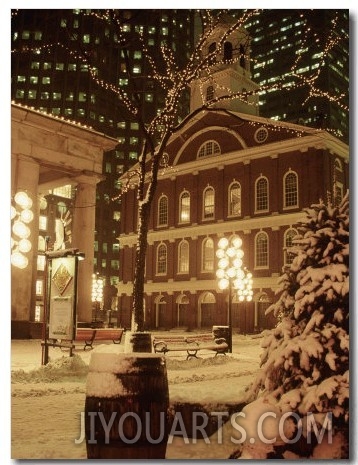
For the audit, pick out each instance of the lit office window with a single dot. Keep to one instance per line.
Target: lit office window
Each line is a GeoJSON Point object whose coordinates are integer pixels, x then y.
{"type": "Point", "coordinates": [261, 250]}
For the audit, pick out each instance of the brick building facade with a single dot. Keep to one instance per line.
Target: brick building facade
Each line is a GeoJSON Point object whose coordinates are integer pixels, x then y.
{"type": "Point", "coordinates": [230, 174]}
{"type": "Point", "coordinates": [227, 172]}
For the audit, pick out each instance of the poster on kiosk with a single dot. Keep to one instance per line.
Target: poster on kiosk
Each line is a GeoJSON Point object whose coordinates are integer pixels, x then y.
{"type": "Point", "coordinates": [62, 297]}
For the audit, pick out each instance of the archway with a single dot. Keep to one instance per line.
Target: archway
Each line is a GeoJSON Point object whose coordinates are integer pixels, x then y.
{"type": "Point", "coordinates": [160, 306]}
{"type": "Point", "coordinates": [206, 310]}
{"type": "Point", "coordinates": [182, 303]}
{"type": "Point", "coordinates": [262, 302]}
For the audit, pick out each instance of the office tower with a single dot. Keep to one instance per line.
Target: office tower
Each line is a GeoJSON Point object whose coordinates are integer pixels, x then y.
{"type": "Point", "coordinates": [47, 77]}
{"type": "Point", "coordinates": [288, 48]}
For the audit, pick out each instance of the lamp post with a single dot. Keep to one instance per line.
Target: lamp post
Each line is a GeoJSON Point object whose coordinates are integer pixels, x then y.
{"type": "Point", "coordinates": [21, 216]}
{"type": "Point", "coordinates": [97, 293]}
{"type": "Point", "coordinates": [232, 275]}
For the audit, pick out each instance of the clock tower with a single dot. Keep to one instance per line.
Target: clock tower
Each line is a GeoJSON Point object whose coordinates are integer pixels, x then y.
{"type": "Point", "coordinates": [227, 71]}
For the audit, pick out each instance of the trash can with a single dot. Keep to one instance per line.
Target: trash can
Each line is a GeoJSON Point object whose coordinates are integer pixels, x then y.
{"type": "Point", "coordinates": [222, 331]}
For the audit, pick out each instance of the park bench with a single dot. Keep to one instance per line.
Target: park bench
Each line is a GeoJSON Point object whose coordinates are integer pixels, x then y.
{"type": "Point", "coordinates": [190, 344]}
{"type": "Point", "coordinates": [89, 335]}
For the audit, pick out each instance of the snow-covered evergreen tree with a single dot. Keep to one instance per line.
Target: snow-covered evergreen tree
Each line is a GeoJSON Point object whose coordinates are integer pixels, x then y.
{"type": "Point", "coordinates": [305, 363]}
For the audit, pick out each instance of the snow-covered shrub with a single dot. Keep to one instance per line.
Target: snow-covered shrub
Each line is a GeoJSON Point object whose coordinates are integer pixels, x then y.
{"type": "Point", "coordinates": [305, 362]}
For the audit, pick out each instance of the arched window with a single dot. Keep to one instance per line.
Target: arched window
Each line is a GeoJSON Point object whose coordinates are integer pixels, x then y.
{"type": "Point", "coordinates": [208, 203]}
{"type": "Point", "coordinates": [163, 211]}
{"type": "Point", "coordinates": [209, 93]}
{"type": "Point", "coordinates": [184, 207]}
{"type": "Point", "coordinates": [210, 147]}
{"type": "Point", "coordinates": [207, 255]}
{"type": "Point", "coordinates": [261, 194]}
{"type": "Point", "coordinates": [212, 48]}
{"type": "Point", "coordinates": [261, 250]}
{"type": "Point", "coordinates": [227, 51]}
{"type": "Point", "coordinates": [234, 197]}
{"type": "Point", "coordinates": [162, 259]}
{"type": "Point", "coordinates": [183, 257]}
{"type": "Point", "coordinates": [338, 182]}
{"type": "Point", "coordinates": [290, 190]}
{"type": "Point", "coordinates": [288, 238]}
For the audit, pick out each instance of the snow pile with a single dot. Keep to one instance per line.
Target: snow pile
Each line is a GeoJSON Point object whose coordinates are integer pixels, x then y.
{"type": "Point", "coordinates": [56, 370]}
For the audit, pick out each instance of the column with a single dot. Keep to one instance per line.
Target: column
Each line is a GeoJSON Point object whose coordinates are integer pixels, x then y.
{"type": "Point", "coordinates": [83, 239]}
{"type": "Point", "coordinates": [25, 177]}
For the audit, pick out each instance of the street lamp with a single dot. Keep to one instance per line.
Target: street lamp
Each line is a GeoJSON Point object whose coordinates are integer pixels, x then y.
{"type": "Point", "coordinates": [97, 293]}
{"type": "Point", "coordinates": [21, 216]}
{"type": "Point", "coordinates": [232, 275]}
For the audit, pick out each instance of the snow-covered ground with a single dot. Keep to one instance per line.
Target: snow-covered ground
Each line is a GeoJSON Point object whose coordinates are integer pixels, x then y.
{"type": "Point", "coordinates": [46, 403]}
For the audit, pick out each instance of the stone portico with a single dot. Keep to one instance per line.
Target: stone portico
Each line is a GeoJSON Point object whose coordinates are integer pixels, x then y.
{"type": "Point", "coordinates": [48, 152]}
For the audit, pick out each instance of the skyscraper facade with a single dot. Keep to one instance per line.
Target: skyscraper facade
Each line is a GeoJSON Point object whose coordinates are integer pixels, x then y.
{"type": "Point", "coordinates": [57, 57]}
{"type": "Point", "coordinates": [305, 52]}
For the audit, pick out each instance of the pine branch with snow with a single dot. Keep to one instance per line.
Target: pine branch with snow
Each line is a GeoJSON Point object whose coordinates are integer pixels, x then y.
{"type": "Point", "coordinates": [305, 362]}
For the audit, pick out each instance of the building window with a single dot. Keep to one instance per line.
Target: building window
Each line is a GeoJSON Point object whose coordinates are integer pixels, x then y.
{"type": "Point", "coordinates": [43, 223]}
{"type": "Point", "coordinates": [209, 93]}
{"type": "Point", "coordinates": [208, 203]}
{"type": "Point", "coordinates": [163, 211]}
{"type": "Point", "coordinates": [184, 207]}
{"type": "Point", "coordinates": [242, 56]}
{"type": "Point", "coordinates": [41, 260]}
{"type": "Point", "coordinates": [39, 287]}
{"type": "Point", "coordinates": [288, 239]}
{"type": "Point", "coordinates": [261, 250]}
{"type": "Point", "coordinates": [261, 194]}
{"type": "Point", "coordinates": [162, 259]}
{"type": "Point", "coordinates": [212, 49]}
{"type": "Point", "coordinates": [41, 244]}
{"type": "Point", "coordinates": [207, 255]}
{"type": "Point", "coordinates": [210, 147]}
{"type": "Point", "coordinates": [338, 182]}
{"type": "Point", "coordinates": [290, 190]}
{"type": "Point", "coordinates": [183, 257]}
{"type": "Point", "coordinates": [115, 265]}
{"type": "Point", "coordinates": [234, 196]}
{"type": "Point", "coordinates": [227, 51]}
{"type": "Point", "coordinates": [338, 193]}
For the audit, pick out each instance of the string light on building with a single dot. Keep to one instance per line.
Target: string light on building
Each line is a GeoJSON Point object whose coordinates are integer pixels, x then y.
{"type": "Point", "coordinates": [21, 216]}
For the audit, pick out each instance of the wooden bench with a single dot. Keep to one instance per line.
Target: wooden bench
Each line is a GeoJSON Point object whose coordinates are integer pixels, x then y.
{"type": "Point", "coordinates": [106, 334]}
{"type": "Point", "coordinates": [89, 335]}
{"type": "Point", "coordinates": [190, 344]}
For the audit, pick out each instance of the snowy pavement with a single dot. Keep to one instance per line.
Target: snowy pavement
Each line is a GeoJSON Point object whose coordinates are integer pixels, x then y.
{"type": "Point", "coordinates": [45, 416]}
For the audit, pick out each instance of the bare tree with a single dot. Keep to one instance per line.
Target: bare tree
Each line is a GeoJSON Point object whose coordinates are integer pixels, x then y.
{"type": "Point", "coordinates": [173, 80]}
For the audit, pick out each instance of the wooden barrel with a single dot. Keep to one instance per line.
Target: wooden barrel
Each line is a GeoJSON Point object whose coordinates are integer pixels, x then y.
{"type": "Point", "coordinates": [126, 410]}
